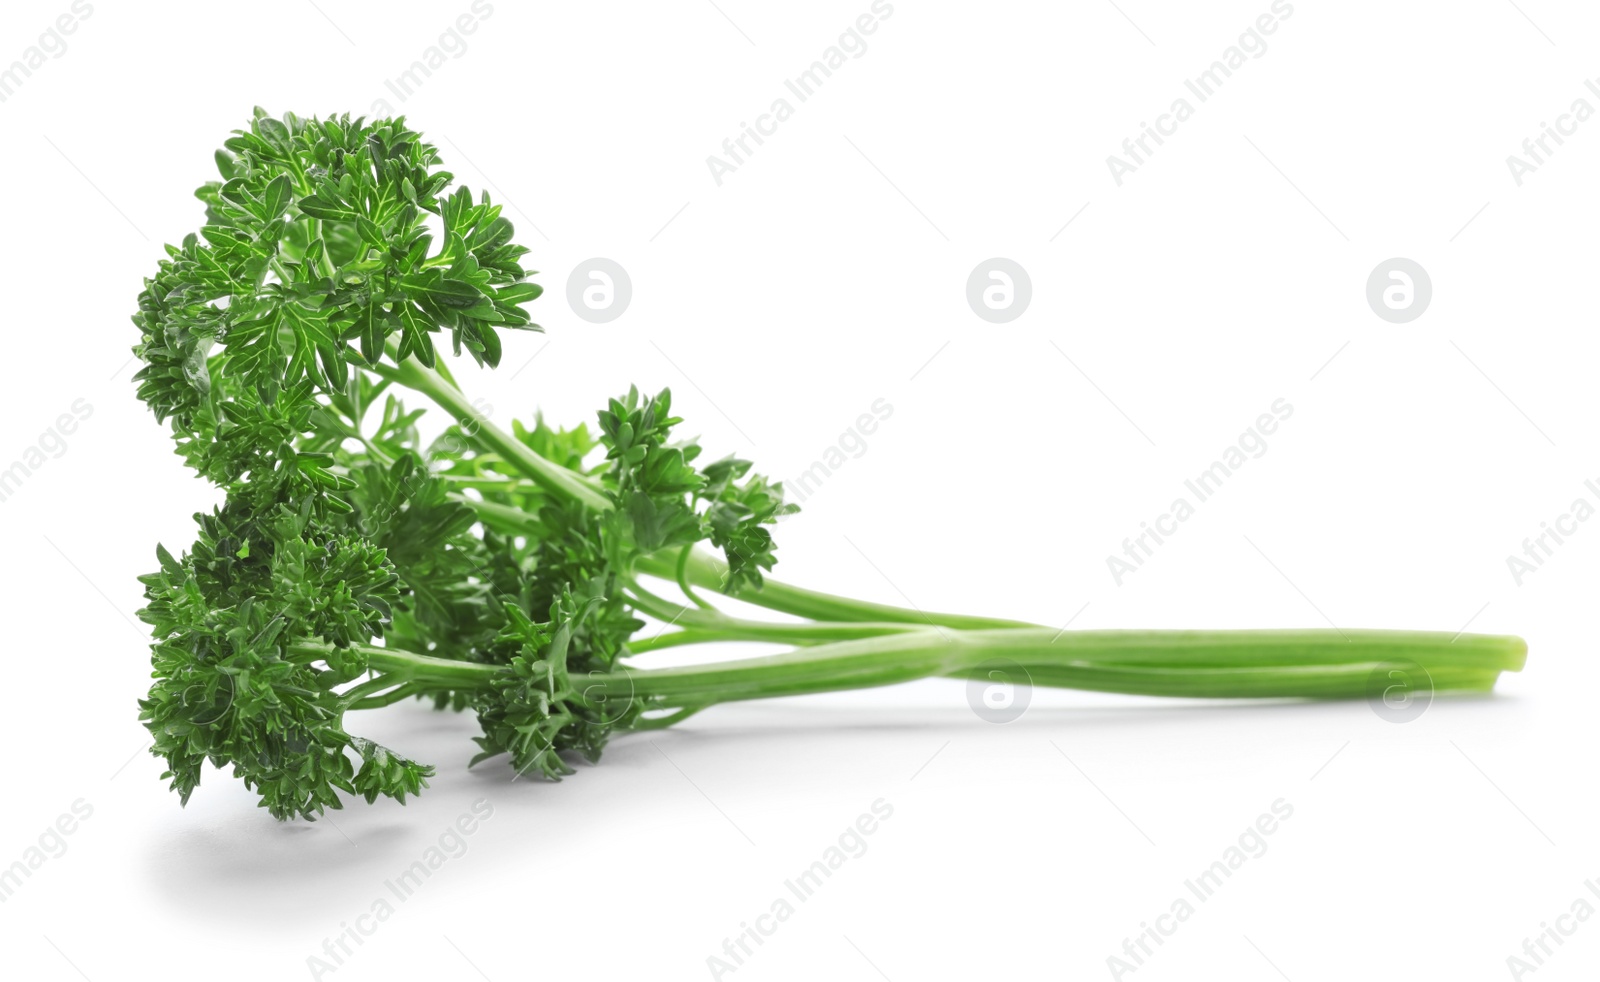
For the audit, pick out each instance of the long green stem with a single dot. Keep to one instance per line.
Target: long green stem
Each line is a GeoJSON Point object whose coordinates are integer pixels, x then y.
{"type": "Point", "coordinates": [405, 665]}
{"type": "Point", "coordinates": [712, 625]}
{"type": "Point", "coordinates": [398, 694]}
{"type": "Point", "coordinates": [696, 568]}
{"type": "Point", "coordinates": [853, 644]}
{"type": "Point", "coordinates": [1315, 663]}
{"type": "Point", "coordinates": [552, 477]}
{"type": "Point", "coordinates": [1327, 664]}
{"type": "Point", "coordinates": [673, 639]}
{"type": "Point", "coordinates": [1309, 682]}
{"type": "Point", "coordinates": [707, 572]}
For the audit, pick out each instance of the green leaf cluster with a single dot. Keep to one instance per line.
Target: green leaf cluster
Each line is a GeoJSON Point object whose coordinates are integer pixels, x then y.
{"type": "Point", "coordinates": [350, 565]}
{"type": "Point", "coordinates": [355, 563]}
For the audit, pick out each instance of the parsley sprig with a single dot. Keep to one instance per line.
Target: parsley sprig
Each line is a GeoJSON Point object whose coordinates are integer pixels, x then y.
{"type": "Point", "coordinates": [352, 564]}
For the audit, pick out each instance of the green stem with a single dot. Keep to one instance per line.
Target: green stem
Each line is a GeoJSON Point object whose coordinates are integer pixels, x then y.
{"type": "Point", "coordinates": [404, 665]}
{"type": "Point", "coordinates": [712, 625]}
{"type": "Point", "coordinates": [733, 629]}
{"type": "Point", "coordinates": [552, 477]}
{"type": "Point", "coordinates": [1326, 664]}
{"type": "Point", "coordinates": [682, 573]}
{"type": "Point", "coordinates": [1217, 664]}
{"type": "Point", "coordinates": [377, 683]}
{"type": "Point", "coordinates": [868, 644]}
{"type": "Point", "coordinates": [662, 722]}
{"type": "Point", "coordinates": [1309, 681]}
{"type": "Point", "coordinates": [707, 572]}
{"type": "Point", "coordinates": [398, 694]}
{"type": "Point", "coordinates": [672, 640]}
{"type": "Point", "coordinates": [502, 518]}
{"type": "Point", "coordinates": [479, 483]}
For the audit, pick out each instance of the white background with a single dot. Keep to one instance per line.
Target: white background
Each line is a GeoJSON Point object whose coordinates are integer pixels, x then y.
{"type": "Point", "coordinates": [820, 276]}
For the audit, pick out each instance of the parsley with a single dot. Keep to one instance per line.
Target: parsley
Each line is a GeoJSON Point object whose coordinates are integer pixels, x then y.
{"type": "Point", "coordinates": [353, 565]}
